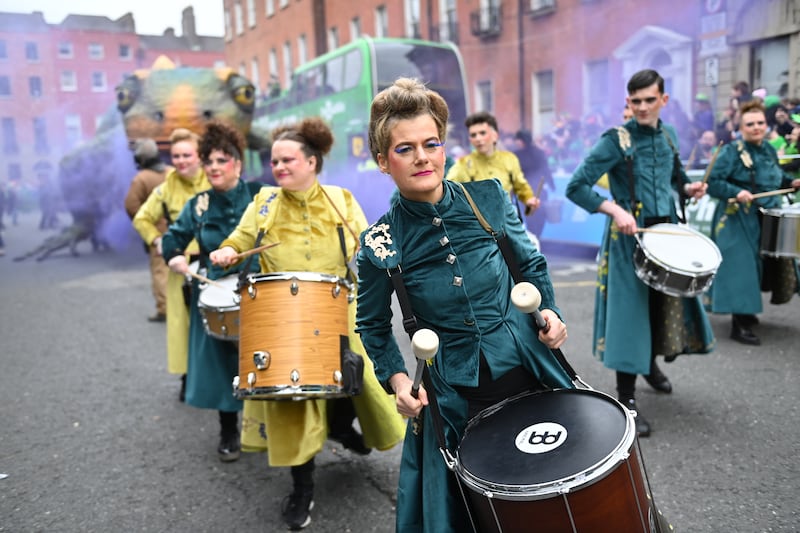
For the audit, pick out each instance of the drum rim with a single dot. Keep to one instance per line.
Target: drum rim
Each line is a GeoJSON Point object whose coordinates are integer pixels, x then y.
{"type": "Point", "coordinates": [565, 485]}
{"type": "Point", "coordinates": [299, 275]}
{"type": "Point", "coordinates": [690, 231]}
{"type": "Point", "coordinates": [288, 392]}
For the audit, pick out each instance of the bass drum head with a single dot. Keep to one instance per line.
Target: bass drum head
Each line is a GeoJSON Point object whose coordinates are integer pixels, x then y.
{"type": "Point", "coordinates": [535, 445]}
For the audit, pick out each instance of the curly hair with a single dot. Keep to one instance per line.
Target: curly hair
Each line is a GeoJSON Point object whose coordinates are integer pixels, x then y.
{"type": "Point", "coordinates": [752, 106]}
{"type": "Point", "coordinates": [222, 137]}
{"type": "Point", "coordinates": [313, 134]}
{"type": "Point", "coordinates": [406, 98]}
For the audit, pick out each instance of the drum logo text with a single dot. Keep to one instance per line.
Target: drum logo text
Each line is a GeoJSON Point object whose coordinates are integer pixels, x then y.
{"type": "Point", "coordinates": [541, 438]}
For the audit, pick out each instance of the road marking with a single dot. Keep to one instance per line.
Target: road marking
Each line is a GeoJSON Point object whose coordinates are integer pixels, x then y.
{"type": "Point", "coordinates": [568, 284]}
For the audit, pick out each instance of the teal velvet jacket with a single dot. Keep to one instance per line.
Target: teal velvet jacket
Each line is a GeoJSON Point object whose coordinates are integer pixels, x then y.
{"type": "Point", "coordinates": [459, 286]}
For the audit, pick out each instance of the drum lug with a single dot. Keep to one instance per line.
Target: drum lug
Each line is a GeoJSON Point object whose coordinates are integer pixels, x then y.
{"type": "Point", "coordinates": [350, 297]}
{"type": "Point", "coordinates": [294, 375]}
{"type": "Point", "coordinates": [337, 376]}
{"type": "Point", "coordinates": [294, 287]}
{"type": "Point", "coordinates": [336, 290]}
{"type": "Point", "coordinates": [235, 382]}
{"type": "Point", "coordinates": [251, 380]}
{"type": "Point", "coordinates": [261, 360]}
{"type": "Point", "coordinates": [251, 291]}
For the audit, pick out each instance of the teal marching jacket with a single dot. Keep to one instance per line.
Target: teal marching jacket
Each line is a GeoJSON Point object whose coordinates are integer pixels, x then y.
{"type": "Point", "coordinates": [209, 217]}
{"type": "Point", "coordinates": [459, 286]}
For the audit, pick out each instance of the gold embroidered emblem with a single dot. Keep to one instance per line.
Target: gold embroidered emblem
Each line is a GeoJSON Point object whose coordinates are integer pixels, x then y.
{"type": "Point", "coordinates": [624, 138]}
{"type": "Point", "coordinates": [747, 161]}
{"type": "Point", "coordinates": [377, 239]}
{"type": "Point", "coordinates": [202, 204]}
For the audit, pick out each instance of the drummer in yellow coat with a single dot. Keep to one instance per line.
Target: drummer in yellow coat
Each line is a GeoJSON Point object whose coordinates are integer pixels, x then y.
{"type": "Point", "coordinates": [166, 201]}
{"type": "Point", "coordinates": [309, 221]}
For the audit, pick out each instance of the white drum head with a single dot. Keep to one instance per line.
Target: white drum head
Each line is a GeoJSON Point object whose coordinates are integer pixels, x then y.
{"type": "Point", "coordinates": [681, 248]}
{"type": "Point", "coordinates": [220, 297]}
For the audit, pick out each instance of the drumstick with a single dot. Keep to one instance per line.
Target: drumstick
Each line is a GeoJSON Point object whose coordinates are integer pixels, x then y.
{"type": "Point", "coordinates": [662, 231]}
{"type": "Point", "coordinates": [538, 194]}
{"type": "Point", "coordinates": [425, 344]}
{"type": "Point", "coordinates": [257, 250]}
{"type": "Point", "coordinates": [711, 163]}
{"type": "Point", "coordinates": [765, 194]}
{"type": "Point", "coordinates": [206, 280]}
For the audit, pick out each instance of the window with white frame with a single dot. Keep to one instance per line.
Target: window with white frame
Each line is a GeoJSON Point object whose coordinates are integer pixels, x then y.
{"type": "Point", "coordinates": [228, 29]}
{"type": "Point", "coordinates": [3, 50]}
{"type": "Point", "coordinates": [539, 5]}
{"type": "Point", "coordinates": [254, 77]}
{"type": "Point", "coordinates": [302, 50]}
{"type": "Point", "coordinates": [72, 129]}
{"type": "Point", "coordinates": [412, 23]}
{"type": "Point", "coordinates": [381, 22]}
{"type": "Point", "coordinates": [447, 20]}
{"type": "Point", "coordinates": [284, 4]}
{"type": "Point", "coordinates": [5, 86]}
{"type": "Point", "coordinates": [287, 60]}
{"type": "Point", "coordinates": [32, 51]}
{"type": "Point", "coordinates": [273, 63]}
{"type": "Point", "coordinates": [40, 144]}
{"type": "Point", "coordinates": [595, 88]}
{"type": "Point", "coordinates": [333, 38]}
{"type": "Point", "coordinates": [251, 13]}
{"type": "Point", "coordinates": [99, 84]}
{"type": "Point", "coordinates": [35, 86]}
{"type": "Point", "coordinates": [65, 50]}
{"type": "Point", "coordinates": [242, 70]}
{"type": "Point", "coordinates": [237, 16]}
{"type": "Point", "coordinates": [544, 102]}
{"type": "Point", "coordinates": [125, 52]}
{"type": "Point", "coordinates": [96, 51]}
{"type": "Point", "coordinates": [10, 145]}
{"type": "Point", "coordinates": [355, 28]}
{"type": "Point", "coordinates": [69, 82]}
{"type": "Point", "coordinates": [269, 7]}
{"type": "Point", "coordinates": [484, 96]}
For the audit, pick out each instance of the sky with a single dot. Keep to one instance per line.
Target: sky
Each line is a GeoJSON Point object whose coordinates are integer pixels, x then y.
{"type": "Point", "coordinates": [152, 16]}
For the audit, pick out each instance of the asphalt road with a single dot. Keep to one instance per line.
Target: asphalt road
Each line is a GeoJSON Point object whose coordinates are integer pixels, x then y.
{"type": "Point", "coordinates": [93, 438]}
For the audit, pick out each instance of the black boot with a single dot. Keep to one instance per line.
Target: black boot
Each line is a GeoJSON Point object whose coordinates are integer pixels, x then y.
{"type": "Point", "coordinates": [229, 447]}
{"type": "Point", "coordinates": [642, 425]}
{"type": "Point", "coordinates": [296, 507]}
{"type": "Point", "coordinates": [341, 415]}
{"type": "Point", "coordinates": [657, 379]}
{"type": "Point", "coordinates": [182, 394]}
{"type": "Point", "coordinates": [741, 332]}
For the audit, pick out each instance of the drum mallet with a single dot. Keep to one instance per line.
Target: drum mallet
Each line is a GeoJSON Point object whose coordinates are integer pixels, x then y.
{"type": "Point", "coordinates": [425, 344]}
{"type": "Point", "coordinates": [527, 298]}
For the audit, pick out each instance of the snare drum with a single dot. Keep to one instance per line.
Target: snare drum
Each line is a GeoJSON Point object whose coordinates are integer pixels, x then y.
{"type": "Point", "coordinates": [780, 232]}
{"type": "Point", "coordinates": [676, 260]}
{"type": "Point", "coordinates": [219, 306]}
{"type": "Point", "coordinates": [294, 326]}
{"type": "Point", "coordinates": [555, 461]}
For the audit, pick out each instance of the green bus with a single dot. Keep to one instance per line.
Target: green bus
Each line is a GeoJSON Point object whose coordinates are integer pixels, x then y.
{"type": "Point", "coordinates": [339, 87]}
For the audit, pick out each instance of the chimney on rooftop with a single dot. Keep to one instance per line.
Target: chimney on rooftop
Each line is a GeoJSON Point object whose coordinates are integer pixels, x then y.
{"type": "Point", "coordinates": [188, 26]}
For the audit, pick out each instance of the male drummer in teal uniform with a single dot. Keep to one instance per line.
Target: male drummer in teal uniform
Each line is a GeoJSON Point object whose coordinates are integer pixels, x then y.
{"type": "Point", "coordinates": [634, 323]}
{"type": "Point", "coordinates": [743, 168]}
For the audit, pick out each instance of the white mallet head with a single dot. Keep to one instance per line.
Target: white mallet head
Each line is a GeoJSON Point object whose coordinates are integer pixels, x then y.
{"type": "Point", "coordinates": [425, 344]}
{"type": "Point", "coordinates": [526, 297]}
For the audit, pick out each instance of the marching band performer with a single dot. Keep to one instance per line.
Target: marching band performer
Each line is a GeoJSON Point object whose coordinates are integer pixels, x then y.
{"type": "Point", "coordinates": [306, 217]}
{"type": "Point", "coordinates": [745, 168]}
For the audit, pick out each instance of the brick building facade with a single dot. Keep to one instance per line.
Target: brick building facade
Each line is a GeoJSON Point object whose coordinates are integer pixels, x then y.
{"type": "Point", "coordinates": [57, 80]}
{"type": "Point", "coordinates": [531, 61]}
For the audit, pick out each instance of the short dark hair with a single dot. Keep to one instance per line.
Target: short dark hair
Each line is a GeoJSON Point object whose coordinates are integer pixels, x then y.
{"type": "Point", "coordinates": [481, 117]}
{"type": "Point", "coordinates": [645, 78]}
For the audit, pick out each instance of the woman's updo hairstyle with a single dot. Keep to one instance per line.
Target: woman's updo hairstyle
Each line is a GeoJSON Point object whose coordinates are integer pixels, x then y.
{"type": "Point", "coordinates": [222, 137]}
{"type": "Point", "coordinates": [313, 134]}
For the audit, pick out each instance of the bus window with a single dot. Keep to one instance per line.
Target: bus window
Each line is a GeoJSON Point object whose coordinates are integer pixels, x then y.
{"type": "Point", "coordinates": [353, 66]}
{"type": "Point", "coordinates": [334, 75]}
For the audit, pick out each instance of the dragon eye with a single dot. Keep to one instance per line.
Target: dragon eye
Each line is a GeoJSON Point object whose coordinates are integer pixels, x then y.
{"type": "Point", "coordinates": [242, 91]}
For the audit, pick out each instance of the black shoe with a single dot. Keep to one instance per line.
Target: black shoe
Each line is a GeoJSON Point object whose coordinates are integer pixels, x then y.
{"type": "Point", "coordinates": [642, 425]}
{"type": "Point", "coordinates": [158, 317]}
{"type": "Point", "coordinates": [229, 448]}
{"type": "Point", "coordinates": [182, 394]}
{"type": "Point", "coordinates": [296, 509]}
{"type": "Point", "coordinates": [742, 333]}
{"type": "Point", "coordinates": [748, 320]}
{"type": "Point", "coordinates": [658, 380]}
{"type": "Point", "coordinates": [352, 440]}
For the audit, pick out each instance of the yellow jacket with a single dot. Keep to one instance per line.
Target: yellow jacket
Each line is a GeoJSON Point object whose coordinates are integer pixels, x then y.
{"type": "Point", "coordinates": [305, 224]}
{"type": "Point", "coordinates": [501, 165]}
{"type": "Point", "coordinates": [173, 193]}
